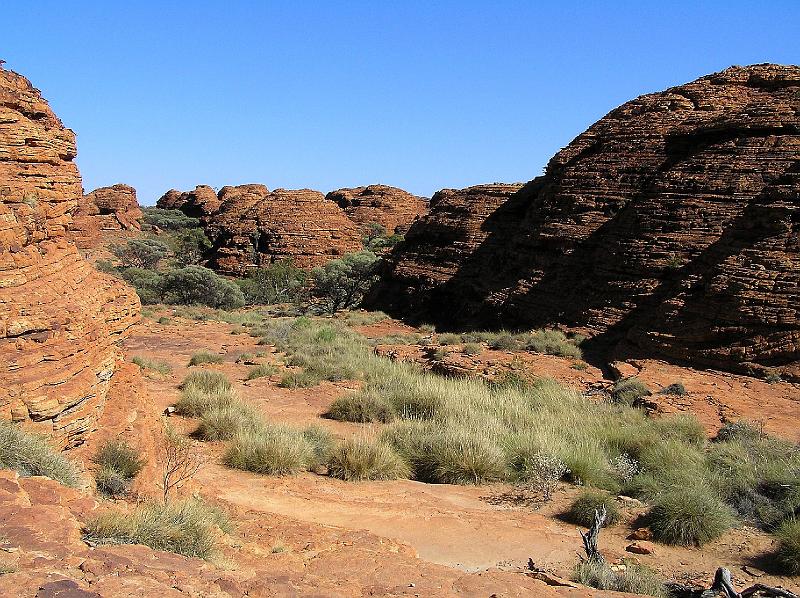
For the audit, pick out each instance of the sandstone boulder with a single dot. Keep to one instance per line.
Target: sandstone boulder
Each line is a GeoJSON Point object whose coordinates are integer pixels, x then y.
{"type": "Point", "coordinates": [59, 318]}
{"type": "Point", "coordinates": [671, 227]}
{"type": "Point", "coordinates": [253, 227]}
{"type": "Point", "coordinates": [203, 201]}
{"type": "Point", "coordinates": [105, 209]}
{"type": "Point", "coordinates": [392, 208]}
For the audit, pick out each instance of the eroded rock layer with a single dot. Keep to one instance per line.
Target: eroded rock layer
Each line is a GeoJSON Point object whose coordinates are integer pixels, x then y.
{"type": "Point", "coordinates": [203, 201]}
{"type": "Point", "coordinates": [254, 226]}
{"type": "Point", "coordinates": [107, 208]}
{"type": "Point", "coordinates": [392, 208]}
{"type": "Point", "coordinates": [670, 226]}
{"type": "Point", "coordinates": [59, 318]}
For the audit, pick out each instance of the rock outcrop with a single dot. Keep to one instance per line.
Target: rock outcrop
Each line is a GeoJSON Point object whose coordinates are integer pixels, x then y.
{"type": "Point", "coordinates": [255, 227]}
{"type": "Point", "coordinates": [59, 318]}
{"type": "Point", "coordinates": [671, 226]}
{"type": "Point", "coordinates": [105, 209]}
{"type": "Point", "coordinates": [201, 202]}
{"type": "Point", "coordinates": [392, 208]}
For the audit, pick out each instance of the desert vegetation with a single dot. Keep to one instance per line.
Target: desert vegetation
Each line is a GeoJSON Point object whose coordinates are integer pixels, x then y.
{"type": "Point", "coordinates": [118, 464]}
{"type": "Point", "coordinates": [29, 455]}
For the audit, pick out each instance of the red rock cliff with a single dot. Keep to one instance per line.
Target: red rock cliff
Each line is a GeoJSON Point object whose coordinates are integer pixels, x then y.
{"type": "Point", "coordinates": [59, 318]}
{"type": "Point", "coordinates": [671, 226]}
{"type": "Point", "coordinates": [104, 209]}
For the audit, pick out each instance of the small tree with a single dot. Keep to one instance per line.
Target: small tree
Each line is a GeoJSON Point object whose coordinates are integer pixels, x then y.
{"type": "Point", "coordinates": [342, 283]}
{"type": "Point", "coordinates": [279, 282]}
{"type": "Point", "coordinates": [376, 238]}
{"type": "Point", "coordinates": [190, 246]}
{"type": "Point", "coordinates": [140, 253]}
{"type": "Point", "coordinates": [179, 461]}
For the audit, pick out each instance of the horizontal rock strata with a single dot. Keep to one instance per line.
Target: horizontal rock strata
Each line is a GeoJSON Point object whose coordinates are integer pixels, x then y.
{"type": "Point", "coordinates": [392, 208]}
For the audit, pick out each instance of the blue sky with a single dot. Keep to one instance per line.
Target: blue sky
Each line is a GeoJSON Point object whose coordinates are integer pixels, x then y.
{"type": "Point", "coordinates": [421, 95]}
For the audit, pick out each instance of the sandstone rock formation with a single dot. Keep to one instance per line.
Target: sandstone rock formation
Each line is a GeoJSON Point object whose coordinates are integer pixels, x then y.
{"type": "Point", "coordinates": [671, 226]}
{"type": "Point", "coordinates": [203, 201]}
{"type": "Point", "coordinates": [392, 208]}
{"type": "Point", "coordinates": [59, 318]}
{"type": "Point", "coordinates": [254, 227]}
{"type": "Point", "coordinates": [104, 209]}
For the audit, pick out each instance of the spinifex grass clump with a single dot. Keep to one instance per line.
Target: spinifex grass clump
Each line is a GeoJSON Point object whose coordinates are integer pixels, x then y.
{"type": "Point", "coordinates": [29, 455]}
{"type": "Point", "coordinates": [582, 509]}
{"type": "Point", "coordinates": [118, 464]}
{"type": "Point", "coordinates": [203, 391]}
{"type": "Point", "coordinates": [467, 431]}
{"type": "Point", "coordinates": [152, 364]}
{"type": "Point", "coordinates": [788, 555]}
{"type": "Point", "coordinates": [203, 357]}
{"type": "Point", "coordinates": [190, 528]}
{"type": "Point", "coordinates": [361, 459]}
{"type": "Point", "coordinates": [273, 450]}
{"type": "Point", "coordinates": [629, 391]}
{"type": "Point", "coordinates": [635, 579]}
{"type": "Point", "coordinates": [263, 370]}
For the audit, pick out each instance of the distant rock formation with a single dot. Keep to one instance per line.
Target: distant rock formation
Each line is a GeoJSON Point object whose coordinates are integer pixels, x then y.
{"type": "Point", "coordinates": [392, 208]}
{"type": "Point", "coordinates": [254, 227]}
{"type": "Point", "coordinates": [670, 227]}
{"type": "Point", "coordinates": [59, 318]}
{"type": "Point", "coordinates": [203, 201]}
{"type": "Point", "coordinates": [104, 209]}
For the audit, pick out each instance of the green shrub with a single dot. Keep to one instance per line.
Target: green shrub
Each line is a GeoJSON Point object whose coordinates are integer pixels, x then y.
{"type": "Point", "coordinates": [629, 391]}
{"type": "Point", "coordinates": [321, 442]}
{"type": "Point", "coordinates": [146, 283]}
{"type": "Point", "coordinates": [164, 320]}
{"type": "Point", "coordinates": [190, 528]}
{"type": "Point", "coordinates": [197, 285]}
{"type": "Point", "coordinates": [580, 366]}
{"type": "Point", "coordinates": [298, 380]}
{"type": "Point", "coordinates": [582, 509]}
{"type": "Point", "coordinates": [279, 282]}
{"type": "Point", "coordinates": [505, 342]}
{"type": "Point", "coordinates": [361, 459]}
{"type": "Point", "coordinates": [472, 349]}
{"type": "Point", "coordinates": [342, 283]}
{"type": "Point", "coordinates": [151, 364]}
{"type": "Point", "coordinates": [30, 455]}
{"type": "Point", "coordinates": [449, 338]}
{"type": "Point", "coordinates": [676, 388]}
{"type": "Point", "coordinates": [110, 482]}
{"type": "Point", "coordinates": [190, 245]}
{"type": "Point", "coordinates": [688, 516]}
{"type": "Point", "coordinates": [635, 579]}
{"type": "Point", "coordinates": [263, 370]}
{"type": "Point", "coordinates": [788, 554]}
{"type": "Point", "coordinates": [361, 407]}
{"type": "Point", "coordinates": [270, 450]}
{"type": "Point", "coordinates": [140, 253]}
{"type": "Point", "coordinates": [168, 219]}
{"type": "Point", "coordinates": [203, 357]}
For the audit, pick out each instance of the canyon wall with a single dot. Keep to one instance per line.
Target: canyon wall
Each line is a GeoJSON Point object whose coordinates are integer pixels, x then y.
{"type": "Point", "coordinates": [392, 208]}
{"type": "Point", "coordinates": [670, 227]}
{"type": "Point", "coordinates": [59, 318]}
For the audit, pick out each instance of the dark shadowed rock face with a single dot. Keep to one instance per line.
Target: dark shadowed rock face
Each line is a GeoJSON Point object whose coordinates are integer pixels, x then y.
{"type": "Point", "coordinates": [392, 208]}
{"type": "Point", "coordinates": [60, 319]}
{"type": "Point", "coordinates": [671, 226]}
{"type": "Point", "coordinates": [254, 227]}
{"type": "Point", "coordinates": [203, 201]}
{"type": "Point", "coordinates": [106, 208]}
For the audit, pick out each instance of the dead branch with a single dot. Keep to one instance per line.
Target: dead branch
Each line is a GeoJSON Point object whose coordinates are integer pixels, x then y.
{"type": "Point", "coordinates": [180, 461]}
{"type": "Point", "coordinates": [723, 587]}
{"type": "Point", "coordinates": [590, 538]}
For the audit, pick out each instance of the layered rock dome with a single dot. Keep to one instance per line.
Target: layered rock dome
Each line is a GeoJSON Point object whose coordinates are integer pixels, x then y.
{"type": "Point", "coordinates": [392, 208]}
{"type": "Point", "coordinates": [254, 226]}
{"type": "Point", "coordinates": [59, 318]}
{"type": "Point", "coordinates": [670, 227]}
{"type": "Point", "coordinates": [203, 201]}
{"type": "Point", "coordinates": [105, 209]}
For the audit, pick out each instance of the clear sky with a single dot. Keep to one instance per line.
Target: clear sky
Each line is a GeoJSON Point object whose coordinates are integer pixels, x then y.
{"type": "Point", "coordinates": [422, 95]}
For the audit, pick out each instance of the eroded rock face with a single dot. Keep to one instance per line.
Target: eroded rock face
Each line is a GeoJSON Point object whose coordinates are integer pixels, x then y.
{"type": "Point", "coordinates": [59, 318]}
{"type": "Point", "coordinates": [392, 208]}
{"type": "Point", "coordinates": [201, 202]}
{"type": "Point", "coordinates": [671, 226]}
{"type": "Point", "coordinates": [254, 226]}
{"type": "Point", "coordinates": [104, 209]}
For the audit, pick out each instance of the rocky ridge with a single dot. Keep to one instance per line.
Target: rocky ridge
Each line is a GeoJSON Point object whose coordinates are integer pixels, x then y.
{"type": "Point", "coordinates": [670, 227]}
{"type": "Point", "coordinates": [201, 202]}
{"type": "Point", "coordinates": [59, 318]}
